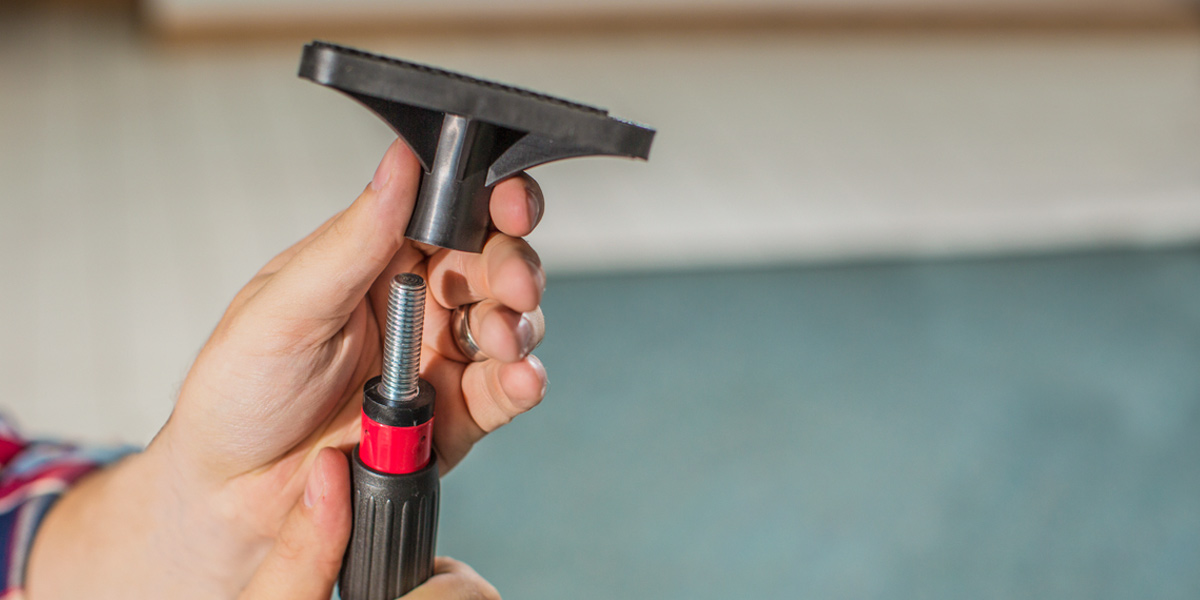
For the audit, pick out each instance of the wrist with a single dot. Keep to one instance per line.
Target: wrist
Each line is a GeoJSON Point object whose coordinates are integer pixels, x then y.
{"type": "Point", "coordinates": [142, 528]}
{"type": "Point", "coordinates": [202, 532]}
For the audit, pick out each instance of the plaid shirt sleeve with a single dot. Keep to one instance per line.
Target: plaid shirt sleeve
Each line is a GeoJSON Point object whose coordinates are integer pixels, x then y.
{"type": "Point", "coordinates": [33, 475]}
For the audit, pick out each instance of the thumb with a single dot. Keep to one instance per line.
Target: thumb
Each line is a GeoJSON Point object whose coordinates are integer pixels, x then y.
{"type": "Point", "coordinates": [305, 560]}
{"type": "Point", "coordinates": [330, 275]}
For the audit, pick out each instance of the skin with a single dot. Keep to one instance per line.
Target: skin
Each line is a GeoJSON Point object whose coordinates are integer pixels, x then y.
{"type": "Point", "coordinates": [306, 557]}
{"type": "Point", "coordinates": [216, 504]}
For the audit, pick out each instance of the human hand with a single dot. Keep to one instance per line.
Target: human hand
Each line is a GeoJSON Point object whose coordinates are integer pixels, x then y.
{"type": "Point", "coordinates": [282, 374]}
{"type": "Point", "coordinates": [281, 378]}
{"type": "Point", "coordinates": [307, 555]}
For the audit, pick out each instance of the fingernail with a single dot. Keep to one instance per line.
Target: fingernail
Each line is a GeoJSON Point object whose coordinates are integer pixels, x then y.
{"type": "Point", "coordinates": [537, 364]}
{"type": "Point", "coordinates": [383, 173]}
{"type": "Point", "coordinates": [533, 196]}
{"type": "Point", "coordinates": [314, 489]}
{"type": "Point", "coordinates": [539, 274]}
{"type": "Point", "coordinates": [525, 334]}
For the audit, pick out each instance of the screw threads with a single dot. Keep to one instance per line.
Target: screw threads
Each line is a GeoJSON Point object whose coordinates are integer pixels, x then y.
{"type": "Point", "coordinates": [402, 337]}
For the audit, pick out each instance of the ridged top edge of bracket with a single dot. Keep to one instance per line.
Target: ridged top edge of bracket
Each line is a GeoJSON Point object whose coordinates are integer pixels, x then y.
{"type": "Point", "coordinates": [459, 77]}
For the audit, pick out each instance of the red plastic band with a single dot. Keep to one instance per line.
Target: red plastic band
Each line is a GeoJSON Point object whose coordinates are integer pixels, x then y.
{"type": "Point", "coordinates": [396, 450]}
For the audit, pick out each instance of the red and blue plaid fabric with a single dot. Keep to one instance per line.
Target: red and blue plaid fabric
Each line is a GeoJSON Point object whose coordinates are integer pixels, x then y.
{"type": "Point", "coordinates": [33, 474]}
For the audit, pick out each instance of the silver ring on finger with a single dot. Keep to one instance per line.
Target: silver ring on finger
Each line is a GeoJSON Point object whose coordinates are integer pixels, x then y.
{"type": "Point", "coordinates": [460, 323]}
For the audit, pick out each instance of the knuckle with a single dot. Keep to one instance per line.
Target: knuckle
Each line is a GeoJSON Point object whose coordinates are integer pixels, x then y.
{"type": "Point", "coordinates": [293, 550]}
{"type": "Point", "coordinates": [290, 549]}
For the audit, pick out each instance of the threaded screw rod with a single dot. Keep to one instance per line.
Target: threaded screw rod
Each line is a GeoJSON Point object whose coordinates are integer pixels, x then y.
{"type": "Point", "coordinates": [402, 337]}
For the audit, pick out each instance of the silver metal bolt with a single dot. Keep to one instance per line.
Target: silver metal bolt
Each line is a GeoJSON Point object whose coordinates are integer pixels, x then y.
{"type": "Point", "coordinates": [402, 337]}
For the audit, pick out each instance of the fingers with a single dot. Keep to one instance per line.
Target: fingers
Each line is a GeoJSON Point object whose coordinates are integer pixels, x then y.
{"type": "Point", "coordinates": [508, 270]}
{"type": "Point", "coordinates": [305, 560]}
{"type": "Point", "coordinates": [476, 399]}
{"type": "Point", "coordinates": [495, 393]}
{"type": "Point", "coordinates": [453, 580]}
{"type": "Point", "coordinates": [327, 277]}
{"type": "Point", "coordinates": [517, 205]}
{"type": "Point", "coordinates": [495, 330]}
{"type": "Point", "coordinates": [502, 333]}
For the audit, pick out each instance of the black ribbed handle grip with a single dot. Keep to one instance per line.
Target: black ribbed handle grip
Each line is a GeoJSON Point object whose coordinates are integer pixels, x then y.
{"type": "Point", "coordinates": [394, 533]}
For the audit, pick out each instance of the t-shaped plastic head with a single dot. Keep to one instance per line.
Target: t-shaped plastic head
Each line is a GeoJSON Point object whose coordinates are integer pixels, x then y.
{"type": "Point", "coordinates": [468, 133]}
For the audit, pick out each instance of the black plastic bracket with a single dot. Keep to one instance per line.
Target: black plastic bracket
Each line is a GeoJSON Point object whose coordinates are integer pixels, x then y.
{"type": "Point", "coordinates": [467, 133]}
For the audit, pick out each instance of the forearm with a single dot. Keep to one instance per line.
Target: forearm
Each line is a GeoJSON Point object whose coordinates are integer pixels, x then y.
{"type": "Point", "coordinates": [134, 530]}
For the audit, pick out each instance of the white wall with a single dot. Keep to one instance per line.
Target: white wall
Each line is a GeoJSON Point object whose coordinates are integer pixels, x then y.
{"type": "Point", "coordinates": [184, 14]}
{"type": "Point", "coordinates": [139, 189]}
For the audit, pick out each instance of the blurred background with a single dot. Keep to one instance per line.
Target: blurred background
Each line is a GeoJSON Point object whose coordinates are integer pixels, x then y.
{"type": "Point", "coordinates": [905, 304]}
